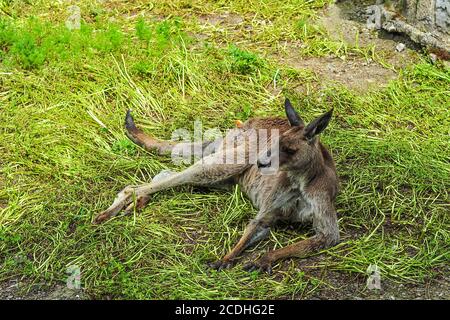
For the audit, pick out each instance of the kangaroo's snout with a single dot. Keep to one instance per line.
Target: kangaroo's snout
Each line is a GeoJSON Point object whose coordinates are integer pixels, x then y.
{"type": "Point", "coordinates": [263, 164]}
{"type": "Point", "coordinates": [265, 159]}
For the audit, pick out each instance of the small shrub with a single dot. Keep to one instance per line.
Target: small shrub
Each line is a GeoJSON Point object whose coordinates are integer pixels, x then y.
{"type": "Point", "coordinates": [32, 45]}
{"type": "Point", "coordinates": [158, 35]}
{"type": "Point", "coordinates": [109, 40]}
{"type": "Point", "coordinates": [124, 146]}
{"type": "Point", "coordinates": [244, 62]}
{"type": "Point", "coordinates": [143, 31]}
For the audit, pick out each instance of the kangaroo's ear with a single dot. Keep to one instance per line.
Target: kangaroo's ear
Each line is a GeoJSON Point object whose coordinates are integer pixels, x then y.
{"type": "Point", "coordinates": [293, 117]}
{"type": "Point", "coordinates": [318, 125]}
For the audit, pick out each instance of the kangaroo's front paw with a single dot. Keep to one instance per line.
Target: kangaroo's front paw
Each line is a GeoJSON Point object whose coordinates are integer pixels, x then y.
{"type": "Point", "coordinates": [221, 264]}
{"type": "Point", "coordinates": [263, 265]}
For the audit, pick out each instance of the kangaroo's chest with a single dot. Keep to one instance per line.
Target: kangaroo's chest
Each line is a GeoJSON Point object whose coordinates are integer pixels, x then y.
{"type": "Point", "coordinates": [274, 194]}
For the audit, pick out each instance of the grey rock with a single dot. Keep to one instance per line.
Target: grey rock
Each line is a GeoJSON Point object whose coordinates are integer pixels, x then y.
{"type": "Point", "coordinates": [400, 47]}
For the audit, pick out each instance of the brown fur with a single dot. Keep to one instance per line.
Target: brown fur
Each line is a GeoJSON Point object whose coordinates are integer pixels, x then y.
{"type": "Point", "coordinates": [303, 189]}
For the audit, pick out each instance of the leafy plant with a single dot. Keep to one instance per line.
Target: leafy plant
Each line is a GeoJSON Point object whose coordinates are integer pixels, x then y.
{"type": "Point", "coordinates": [243, 61]}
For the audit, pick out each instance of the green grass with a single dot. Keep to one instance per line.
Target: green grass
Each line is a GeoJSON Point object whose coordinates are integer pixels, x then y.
{"type": "Point", "coordinates": [64, 155]}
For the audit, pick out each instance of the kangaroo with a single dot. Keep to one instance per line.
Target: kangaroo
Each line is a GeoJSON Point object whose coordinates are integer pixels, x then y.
{"type": "Point", "coordinates": [302, 189]}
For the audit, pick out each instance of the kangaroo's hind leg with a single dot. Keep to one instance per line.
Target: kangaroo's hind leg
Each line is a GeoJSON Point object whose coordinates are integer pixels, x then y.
{"type": "Point", "coordinates": [209, 171]}
{"type": "Point", "coordinates": [203, 173]}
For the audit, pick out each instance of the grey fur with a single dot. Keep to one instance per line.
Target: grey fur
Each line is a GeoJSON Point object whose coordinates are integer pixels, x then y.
{"type": "Point", "coordinates": [303, 190]}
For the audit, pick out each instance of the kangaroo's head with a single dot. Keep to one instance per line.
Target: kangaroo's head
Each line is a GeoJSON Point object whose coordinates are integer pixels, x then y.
{"type": "Point", "coordinates": [299, 146]}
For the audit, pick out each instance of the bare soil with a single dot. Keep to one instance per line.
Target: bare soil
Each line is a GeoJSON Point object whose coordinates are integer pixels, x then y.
{"type": "Point", "coordinates": [336, 286]}
{"type": "Point", "coordinates": [347, 22]}
{"type": "Point", "coordinates": [20, 290]}
{"type": "Point", "coordinates": [346, 286]}
{"type": "Point", "coordinates": [225, 19]}
{"type": "Point", "coordinates": [353, 72]}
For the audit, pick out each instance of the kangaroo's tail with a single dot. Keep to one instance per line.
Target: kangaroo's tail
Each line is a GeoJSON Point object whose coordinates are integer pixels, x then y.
{"type": "Point", "coordinates": [144, 140]}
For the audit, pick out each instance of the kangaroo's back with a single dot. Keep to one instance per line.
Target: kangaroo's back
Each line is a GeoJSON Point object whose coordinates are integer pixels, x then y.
{"type": "Point", "coordinates": [282, 124]}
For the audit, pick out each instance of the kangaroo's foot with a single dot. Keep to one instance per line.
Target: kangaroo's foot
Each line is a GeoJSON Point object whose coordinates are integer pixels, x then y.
{"type": "Point", "coordinates": [299, 249]}
{"type": "Point", "coordinates": [133, 197]}
{"type": "Point", "coordinates": [263, 265]}
{"type": "Point", "coordinates": [221, 264]}
{"type": "Point", "coordinates": [126, 200]}
{"type": "Point", "coordinates": [140, 203]}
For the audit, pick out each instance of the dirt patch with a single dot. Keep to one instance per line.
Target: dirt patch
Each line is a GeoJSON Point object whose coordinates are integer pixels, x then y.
{"type": "Point", "coordinates": [16, 290]}
{"type": "Point", "coordinates": [354, 287]}
{"type": "Point", "coordinates": [192, 239]}
{"type": "Point", "coordinates": [347, 21]}
{"type": "Point", "coordinates": [229, 21]}
{"type": "Point", "coordinates": [334, 285]}
{"type": "Point", "coordinates": [340, 285]}
{"type": "Point", "coordinates": [354, 73]}
{"type": "Point", "coordinates": [225, 19]}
